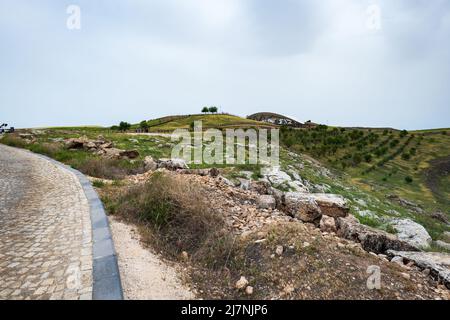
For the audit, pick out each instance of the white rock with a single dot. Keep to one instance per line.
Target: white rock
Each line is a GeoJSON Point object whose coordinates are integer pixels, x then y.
{"type": "Point", "coordinates": [276, 176]}
{"type": "Point", "coordinates": [241, 283]}
{"type": "Point", "coordinates": [249, 290]}
{"type": "Point", "coordinates": [279, 250]}
{"type": "Point", "coordinates": [412, 233]}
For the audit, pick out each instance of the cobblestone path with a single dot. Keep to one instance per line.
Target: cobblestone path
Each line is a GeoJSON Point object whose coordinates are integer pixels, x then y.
{"type": "Point", "coordinates": [45, 230]}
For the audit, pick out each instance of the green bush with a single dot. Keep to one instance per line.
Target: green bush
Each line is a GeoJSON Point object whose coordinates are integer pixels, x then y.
{"type": "Point", "coordinates": [408, 179]}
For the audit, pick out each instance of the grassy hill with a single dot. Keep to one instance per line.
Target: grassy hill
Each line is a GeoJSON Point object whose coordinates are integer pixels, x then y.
{"type": "Point", "coordinates": [411, 165]}
{"type": "Point", "coordinates": [219, 121]}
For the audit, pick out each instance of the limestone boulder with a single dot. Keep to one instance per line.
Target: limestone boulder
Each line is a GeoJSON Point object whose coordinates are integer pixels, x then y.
{"type": "Point", "coordinates": [302, 206]}
{"type": "Point", "coordinates": [371, 239]}
{"type": "Point", "coordinates": [412, 233]}
{"type": "Point", "coordinates": [332, 205]}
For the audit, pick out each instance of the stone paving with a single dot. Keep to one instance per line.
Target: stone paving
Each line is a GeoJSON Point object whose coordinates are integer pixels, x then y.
{"type": "Point", "coordinates": [45, 230]}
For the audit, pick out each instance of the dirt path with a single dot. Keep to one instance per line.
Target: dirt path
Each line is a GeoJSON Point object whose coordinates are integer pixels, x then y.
{"type": "Point", "coordinates": [144, 276]}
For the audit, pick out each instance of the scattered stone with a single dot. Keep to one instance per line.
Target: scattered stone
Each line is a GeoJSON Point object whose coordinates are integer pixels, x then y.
{"type": "Point", "coordinates": [184, 256]}
{"type": "Point", "coordinates": [266, 202]}
{"type": "Point", "coordinates": [241, 283]}
{"type": "Point", "coordinates": [225, 181]}
{"type": "Point", "coordinates": [406, 275]}
{"type": "Point", "coordinates": [249, 290]}
{"type": "Point", "coordinates": [287, 290]}
{"type": "Point", "coordinates": [327, 224]}
{"type": "Point", "coordinates": [279, 250]}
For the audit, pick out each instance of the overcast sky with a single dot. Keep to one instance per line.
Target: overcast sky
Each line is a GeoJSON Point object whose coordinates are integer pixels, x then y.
{"type": "Point", "coordinates": [330, 61]}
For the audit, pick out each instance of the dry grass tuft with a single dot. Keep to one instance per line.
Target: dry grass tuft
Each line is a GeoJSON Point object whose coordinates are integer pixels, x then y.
{"type": "Point", "coordinates": [176, 217]}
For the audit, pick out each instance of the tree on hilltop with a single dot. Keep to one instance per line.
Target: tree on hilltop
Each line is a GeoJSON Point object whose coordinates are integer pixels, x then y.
{"type": "Point", "coordinates": [213, 109]}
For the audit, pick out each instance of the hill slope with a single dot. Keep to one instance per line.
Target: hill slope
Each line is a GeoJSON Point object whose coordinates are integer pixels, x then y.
{"type": "Point", "coordinates": [219, 121]}
{"type": "Point", "coordinates": [410, 168]}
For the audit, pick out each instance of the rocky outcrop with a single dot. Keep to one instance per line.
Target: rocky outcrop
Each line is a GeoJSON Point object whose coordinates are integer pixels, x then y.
{"type": "Point", "coordinates": [412, 233]}
{"type": "Point", "coordinates": [301, 206]}
{"type": "Point", "coordinates": [172, 164]}
{"type": "Point", "coordinates": [438, 263]}
{"type": "Point", "coordinates": [332, 205]}
{"type": "Point", "coordinates": [75, 143]}
{"type": "Point", "coordinates": [100, 147]}
{"type": "Point", "coordinates": [371, 239]}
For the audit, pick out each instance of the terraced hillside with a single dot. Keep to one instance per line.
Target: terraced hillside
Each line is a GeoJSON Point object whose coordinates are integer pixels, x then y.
{"type": "Point", "coordinates": [391, 165]}
{"type": "Point", "coordinates": [219, 121]}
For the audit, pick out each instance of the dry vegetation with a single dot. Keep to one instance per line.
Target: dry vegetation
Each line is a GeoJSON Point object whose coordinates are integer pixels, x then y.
{"type": "Point", "coordinates": [175, 215]}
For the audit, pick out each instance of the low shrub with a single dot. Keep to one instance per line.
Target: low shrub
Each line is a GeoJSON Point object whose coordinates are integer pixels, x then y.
{"type": "Point", "coordinates": [177, 217]}
{"type": "Point", "coordinates": [109, 168]}
{"type": "Point", "coordinates": [14, 141]}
